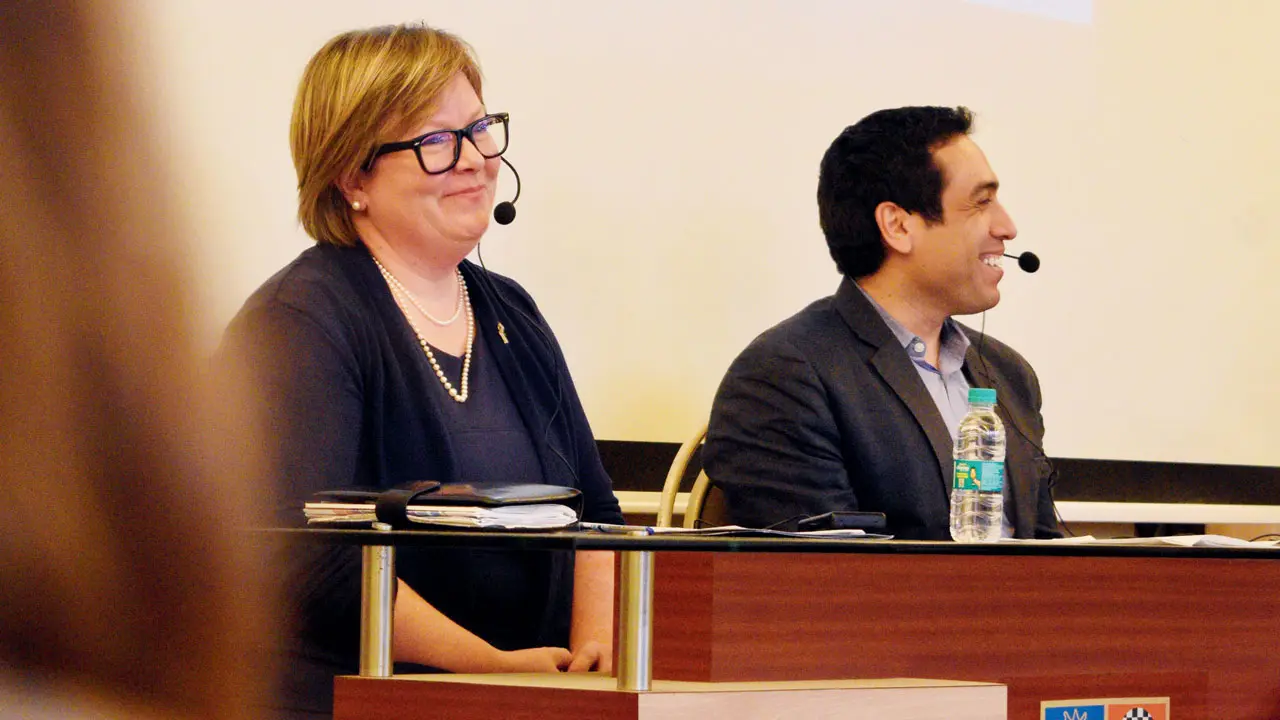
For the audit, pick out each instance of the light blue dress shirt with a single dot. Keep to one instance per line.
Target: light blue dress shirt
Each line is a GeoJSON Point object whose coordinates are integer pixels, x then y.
{"type": "Point", "coordinates": [946, 383]}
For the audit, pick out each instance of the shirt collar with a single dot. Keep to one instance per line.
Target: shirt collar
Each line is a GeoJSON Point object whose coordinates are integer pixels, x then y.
{"type": "Point", "coordinates": [954, 343]}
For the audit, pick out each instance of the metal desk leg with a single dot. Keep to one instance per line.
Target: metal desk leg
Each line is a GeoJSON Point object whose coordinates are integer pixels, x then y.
{"type": "Point", "coordinates": [377, 594]}
{"type": "Point", "coordinates": [635, 641]}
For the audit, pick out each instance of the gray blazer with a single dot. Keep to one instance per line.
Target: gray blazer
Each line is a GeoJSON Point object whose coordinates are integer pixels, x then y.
{"type": "Point", "coordinates": [825, 411]}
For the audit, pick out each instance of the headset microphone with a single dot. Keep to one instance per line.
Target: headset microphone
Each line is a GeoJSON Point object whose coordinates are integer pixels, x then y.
{"type": "Point", "coordinates": [1029, 263]}
{"type": "Point", "coordinates": [505, 211]}
{"type": "Point", "coordinates": [1027, 260]}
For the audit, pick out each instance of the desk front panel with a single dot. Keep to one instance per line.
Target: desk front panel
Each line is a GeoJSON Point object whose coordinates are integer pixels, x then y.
{"type": "Point", "coordinates": [1205, 632]}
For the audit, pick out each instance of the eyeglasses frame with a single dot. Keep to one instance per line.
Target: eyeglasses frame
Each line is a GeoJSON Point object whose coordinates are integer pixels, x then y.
{"type": "Point", "coordinates": [467, 132]}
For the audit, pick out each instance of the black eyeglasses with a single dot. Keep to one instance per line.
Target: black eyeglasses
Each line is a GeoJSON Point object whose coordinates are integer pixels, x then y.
{"type": "Point", "coordinates": [438, 151]}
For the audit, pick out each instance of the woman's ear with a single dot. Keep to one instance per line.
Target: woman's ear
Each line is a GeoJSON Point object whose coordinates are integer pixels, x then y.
{"type": "Point", "coordinates": [352, 187]}
{"type": "Point", "coordinates": [895, 227]}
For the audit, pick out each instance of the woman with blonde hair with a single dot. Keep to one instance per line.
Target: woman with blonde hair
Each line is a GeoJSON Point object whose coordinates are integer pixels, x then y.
{"type": "Point", "coordinates": [127, 585]}
{"type": "Point", "coordinates": [403, 361]}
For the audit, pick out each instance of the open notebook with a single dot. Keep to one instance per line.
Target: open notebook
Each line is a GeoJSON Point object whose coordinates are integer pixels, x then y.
{"type": "Point", "coordinates": [515, 517]}
{"type": "Point", "coordinates": [461, 505]}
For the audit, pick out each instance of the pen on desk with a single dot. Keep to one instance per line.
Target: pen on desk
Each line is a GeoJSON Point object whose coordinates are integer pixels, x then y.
{"type": "Point", "coordinates": [616, 529]}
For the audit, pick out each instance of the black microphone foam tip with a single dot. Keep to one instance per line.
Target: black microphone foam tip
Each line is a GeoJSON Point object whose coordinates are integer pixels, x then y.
{"type": "Point", "coordinates": [505, 212]}
{"type": "Point", "coordinates": [1027, 261]}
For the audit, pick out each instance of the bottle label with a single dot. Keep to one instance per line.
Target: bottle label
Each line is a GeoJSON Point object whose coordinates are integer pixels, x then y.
{"type": "Point", "coordinates": [983, 475]}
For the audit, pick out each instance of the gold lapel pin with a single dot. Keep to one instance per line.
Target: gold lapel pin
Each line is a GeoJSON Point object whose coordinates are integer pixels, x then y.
{"type": "Point", "coordinates": [502, 333]}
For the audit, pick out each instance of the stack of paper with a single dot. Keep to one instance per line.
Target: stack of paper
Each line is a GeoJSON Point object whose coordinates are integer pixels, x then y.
{"type": "Point", "coordinates": [1210, 541]}
{"type": "Point", "coordinates": [513, 517]}
{"type": "Point", "coordinates": [728, 530]}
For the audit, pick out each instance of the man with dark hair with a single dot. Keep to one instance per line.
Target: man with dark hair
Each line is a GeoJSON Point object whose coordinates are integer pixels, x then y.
{"type": "Point", "coordinates": [854, 402]}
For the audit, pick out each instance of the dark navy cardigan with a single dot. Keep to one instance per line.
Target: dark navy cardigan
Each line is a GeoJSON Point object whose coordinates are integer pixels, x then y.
{"type": "Point", "coordinates": [347, 389]}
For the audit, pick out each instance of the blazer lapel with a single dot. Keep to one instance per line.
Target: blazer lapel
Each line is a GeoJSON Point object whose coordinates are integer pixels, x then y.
{"type": "Point", "coordinates": [979, 375]}
{"type": "Point", "coordinates": [890, 360]}
{"type": "Point", "coordinates": [977, 370]}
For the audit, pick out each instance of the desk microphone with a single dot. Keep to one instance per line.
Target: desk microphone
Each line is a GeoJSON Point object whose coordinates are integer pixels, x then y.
{"type": "Point", "coordinates": [505, 211]}
{"type": "Point", "coordinates": [1027, 260]}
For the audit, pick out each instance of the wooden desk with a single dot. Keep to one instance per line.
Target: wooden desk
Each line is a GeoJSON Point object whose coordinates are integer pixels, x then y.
{"type": "Point", "coordinates": [1053, 622]}
{"type": "Point", "coordinates": [582, 696]}
{"type": "Point", "coordinates": [1203, 631]}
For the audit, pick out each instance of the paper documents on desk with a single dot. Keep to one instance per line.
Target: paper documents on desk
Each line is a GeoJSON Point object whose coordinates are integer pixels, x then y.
{"type": "Point", "coordinates": [727, 531]}
{"type": "Point", "coordinates": [513, 517]}
{"type": "Point", "coordinates": [1203, 541]}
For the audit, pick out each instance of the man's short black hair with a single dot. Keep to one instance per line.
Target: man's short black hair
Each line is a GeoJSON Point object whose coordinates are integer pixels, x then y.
{"type": "Point", "coordinates": [886, 156]}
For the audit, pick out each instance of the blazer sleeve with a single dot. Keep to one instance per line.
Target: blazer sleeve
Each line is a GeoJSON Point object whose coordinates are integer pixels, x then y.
{"type": "Point", "coordinates": [1045, 473]}
{"type": "Point", "coordinates": [773, 445]}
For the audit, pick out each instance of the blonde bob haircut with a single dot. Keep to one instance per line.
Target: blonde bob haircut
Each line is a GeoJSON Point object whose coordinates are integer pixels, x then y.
{"type": "Point", "coordinates": [362, 89]}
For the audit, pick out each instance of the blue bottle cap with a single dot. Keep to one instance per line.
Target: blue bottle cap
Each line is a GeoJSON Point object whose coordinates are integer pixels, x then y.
{"type": "Point", "coordinates": [986, 396]}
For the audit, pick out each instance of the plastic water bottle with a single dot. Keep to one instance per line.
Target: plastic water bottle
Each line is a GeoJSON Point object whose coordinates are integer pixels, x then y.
{"type": "Point", "coordinates": [977, 486]}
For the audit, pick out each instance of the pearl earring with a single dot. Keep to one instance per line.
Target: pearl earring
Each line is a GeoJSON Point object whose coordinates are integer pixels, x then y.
{"type": "Point", "coordinates": [355, 205]}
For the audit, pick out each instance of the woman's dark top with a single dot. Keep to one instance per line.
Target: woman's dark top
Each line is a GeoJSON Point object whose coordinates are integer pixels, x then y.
{"type": "Point", "coordinates": [353, 401]}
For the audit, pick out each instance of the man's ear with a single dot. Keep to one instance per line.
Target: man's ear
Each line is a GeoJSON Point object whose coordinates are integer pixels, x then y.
{"type": "Point", "coordinates": [895, 227]}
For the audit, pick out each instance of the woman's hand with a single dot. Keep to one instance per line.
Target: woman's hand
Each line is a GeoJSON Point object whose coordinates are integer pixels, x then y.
{"type": "Point", "coordinates": [591, 633]}
{"type": "Point", "coordinates": [535, 660]}
{"type": "Point", "coordinates": [591, 656]}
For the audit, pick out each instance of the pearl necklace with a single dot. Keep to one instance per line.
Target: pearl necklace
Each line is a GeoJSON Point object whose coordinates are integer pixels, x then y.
{"type": "Point", "coordinates": [399, 293]}
{"type": "Point", "coordinates": [395, 285]}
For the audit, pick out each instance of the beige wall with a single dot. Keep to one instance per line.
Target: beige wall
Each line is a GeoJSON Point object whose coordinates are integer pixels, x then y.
{"type": "Point", "coordinates": [670, 151]}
